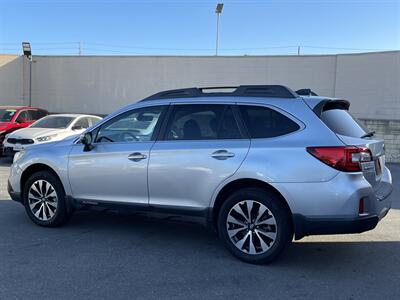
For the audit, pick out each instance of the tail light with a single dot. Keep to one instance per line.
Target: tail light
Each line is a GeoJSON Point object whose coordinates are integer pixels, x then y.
{"type": "Point", "coordinates": [346, 158]}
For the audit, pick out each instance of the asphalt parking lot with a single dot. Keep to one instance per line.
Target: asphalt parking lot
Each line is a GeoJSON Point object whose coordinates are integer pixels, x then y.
{"type": "Point", "coordinates": [108, 255]}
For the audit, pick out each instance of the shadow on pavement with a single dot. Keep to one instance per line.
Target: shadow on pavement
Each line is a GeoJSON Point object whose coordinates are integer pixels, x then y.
{"type": "Point", "coordinates": [108, 255]}
{"type": "Point", "coordinates": [138, 231]}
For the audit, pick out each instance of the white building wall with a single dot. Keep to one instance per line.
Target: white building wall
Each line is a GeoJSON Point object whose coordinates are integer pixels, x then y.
{"type": "Point", "coordinates": [372, 83]}
{"type": "Point", "coordinates": [101, 84]}
{"type": "Point", "coordinates": [11, 80]}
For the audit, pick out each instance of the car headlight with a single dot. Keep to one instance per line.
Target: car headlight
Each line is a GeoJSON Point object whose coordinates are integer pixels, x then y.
{"type": "Point", "coordinates": [46, 138]}
{"type": "Point", "coordinates": [18, 155]}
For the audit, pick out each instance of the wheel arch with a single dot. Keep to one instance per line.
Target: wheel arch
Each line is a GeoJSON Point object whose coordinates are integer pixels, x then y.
{"type": "Point", "coordinates": [234, 185]}
{"type": "Point", "coordinates": [37, 167]}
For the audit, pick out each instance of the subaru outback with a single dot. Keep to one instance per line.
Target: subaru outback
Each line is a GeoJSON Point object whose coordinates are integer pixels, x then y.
{"type": "Point", "coordinates": [260, 164]}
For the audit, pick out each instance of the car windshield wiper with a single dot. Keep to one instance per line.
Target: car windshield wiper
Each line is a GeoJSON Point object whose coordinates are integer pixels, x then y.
{"type": "Point", "coordinates": [368, 134]}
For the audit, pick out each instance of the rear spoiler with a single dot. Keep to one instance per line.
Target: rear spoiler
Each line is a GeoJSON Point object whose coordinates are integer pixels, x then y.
{"type": "Point", "coordinates": [306, 92]}
{"type": "Point", "coordinates": [328, 104]}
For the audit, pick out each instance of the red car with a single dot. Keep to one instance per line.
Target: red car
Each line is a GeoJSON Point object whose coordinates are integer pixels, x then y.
{"type": "Point", "coordinates": [17, 117]}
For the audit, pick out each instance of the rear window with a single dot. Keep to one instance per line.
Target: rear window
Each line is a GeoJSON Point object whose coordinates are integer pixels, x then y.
{"type": "Point", "coordinates": [263, 122]}
{"type": "Point", "coordinates": [342, 122]}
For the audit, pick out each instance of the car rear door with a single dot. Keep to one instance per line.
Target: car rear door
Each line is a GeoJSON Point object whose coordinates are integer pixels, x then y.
{"type": "Point", "coordinates": [201, 146]}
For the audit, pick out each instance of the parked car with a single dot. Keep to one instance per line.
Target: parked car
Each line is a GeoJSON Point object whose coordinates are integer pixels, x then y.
{"type": "Point", "coordinates": [16, 117]}
{"type": "Point", "coordinates": [47, 129]}
{"type": "Point", "coordinates": [260, 164]}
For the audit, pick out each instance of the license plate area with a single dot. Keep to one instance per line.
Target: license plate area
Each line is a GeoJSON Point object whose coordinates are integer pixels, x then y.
{"type": "Point", "coordinates": [17, 147]}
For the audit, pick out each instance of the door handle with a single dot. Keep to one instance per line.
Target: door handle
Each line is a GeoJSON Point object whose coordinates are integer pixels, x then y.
{"type": "Point", "coordinates": [222, 154]}
{"type": "Point", "coordinates": [137, 156]}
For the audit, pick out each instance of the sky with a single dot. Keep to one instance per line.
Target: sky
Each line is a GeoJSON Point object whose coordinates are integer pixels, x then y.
{"type": "Point", "coordinates": [123, 27]}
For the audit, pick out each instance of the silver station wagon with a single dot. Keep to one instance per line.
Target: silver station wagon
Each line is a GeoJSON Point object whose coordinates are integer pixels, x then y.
{"type": "Point", "coordinates": [260, 164]}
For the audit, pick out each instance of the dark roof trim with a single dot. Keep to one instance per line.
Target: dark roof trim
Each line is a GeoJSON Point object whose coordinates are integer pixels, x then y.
{"type": "Point", "coordinates": [272, 91]}
{"type": "Point", "coordinates": [306, 92]}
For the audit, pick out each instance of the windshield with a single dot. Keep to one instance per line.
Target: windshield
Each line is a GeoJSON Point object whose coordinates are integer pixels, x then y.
{"type": "Point", "coordinates": [53, 122]}
{"type": "Point", "coordinates": [7, 114]}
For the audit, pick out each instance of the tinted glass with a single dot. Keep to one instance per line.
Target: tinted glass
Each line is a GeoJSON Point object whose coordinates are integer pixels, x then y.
{"type": "Point", "coordinates": [93, 120]}
{"type": "Point", "coordinates": [36, 114]}
{"type": "Point", "coordinates": [7, 114]}
{"type": "Point", "coordinates": [82, 123]}
{"type": "Point", "coordinates": [202, 122]}
{"type": "Point", "coordinates": [228, 127]}
{"type": "Point", "coordinates": [134, 126]}
{"type": "Point", "coordinates": [263, 122]}
{"type": "Point", "coordinates": [342, 122]}
{"type": "Point", "coordinates": [22, 117]}
{"type": "Point", "coordinates": [53, 122]}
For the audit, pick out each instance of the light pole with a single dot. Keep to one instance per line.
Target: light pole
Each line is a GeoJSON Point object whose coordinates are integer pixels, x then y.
{"type": "Point", "coordinates": [26, 48]}
{"type": "Point", "coordinates": [218, 11]}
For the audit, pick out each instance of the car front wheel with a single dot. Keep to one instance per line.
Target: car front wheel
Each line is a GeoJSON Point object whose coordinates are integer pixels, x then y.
{"type": "Point", "coordinates": [45, 201]}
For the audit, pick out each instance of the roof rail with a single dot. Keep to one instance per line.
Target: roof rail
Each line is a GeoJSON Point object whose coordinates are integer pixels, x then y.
{"type": "Point", "coordinates": [273, 91]}
{"type": "Point", "coordinates": [306, 92]}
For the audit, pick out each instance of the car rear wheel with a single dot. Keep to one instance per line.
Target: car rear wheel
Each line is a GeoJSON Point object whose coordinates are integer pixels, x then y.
{"type": "Point", "coordinates": [45, 201]}
{"type": "Point", "coordinates": [255, 225]}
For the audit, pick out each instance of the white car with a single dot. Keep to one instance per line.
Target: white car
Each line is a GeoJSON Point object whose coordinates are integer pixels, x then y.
{"type": "Point", "coordinates": [48, 129]}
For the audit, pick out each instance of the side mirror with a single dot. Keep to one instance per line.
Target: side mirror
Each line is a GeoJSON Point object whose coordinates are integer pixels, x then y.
{"type": "Point", "coordinates": [86, 139]}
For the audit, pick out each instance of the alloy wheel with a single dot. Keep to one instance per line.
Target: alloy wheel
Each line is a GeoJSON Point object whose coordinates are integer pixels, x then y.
{"type": "Point", "coordinates": [251, 227]}
{"type": "Point", "coordinates": [43, 200]}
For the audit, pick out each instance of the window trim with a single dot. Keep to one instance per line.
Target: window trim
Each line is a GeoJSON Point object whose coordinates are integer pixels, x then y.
{"type": "Point", "coordinates": [272, 107]}
{"type": "Point", "coordinates": [95, 131]}
{"type": "Point", "coordinates": [169, 115]}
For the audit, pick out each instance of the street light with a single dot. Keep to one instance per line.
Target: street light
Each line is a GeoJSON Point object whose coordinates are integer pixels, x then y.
{"type": "Point", "coordinates": [218, 11]}
{"type": "Point", "coordinates": [26, 48]}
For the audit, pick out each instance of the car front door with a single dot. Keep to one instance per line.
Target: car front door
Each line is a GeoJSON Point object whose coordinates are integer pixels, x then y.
{"type": "Point", "coordinates": [201, 146]}
{"type": "Point", "coordinates": [115, 169]}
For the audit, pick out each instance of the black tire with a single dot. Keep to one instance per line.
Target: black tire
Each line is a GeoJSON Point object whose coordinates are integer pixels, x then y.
{"type": "Point", "coordinates": [283, 229]}
{"type": "Point", "coordinates": [61, 214]}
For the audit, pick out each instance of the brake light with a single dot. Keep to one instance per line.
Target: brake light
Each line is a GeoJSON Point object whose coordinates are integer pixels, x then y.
{"type": "Point", "coordinates": [346, 158]}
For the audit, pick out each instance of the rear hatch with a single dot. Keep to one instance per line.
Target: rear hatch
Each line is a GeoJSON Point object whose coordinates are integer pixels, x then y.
{"type": "Point", "coordinates": [335, 114]}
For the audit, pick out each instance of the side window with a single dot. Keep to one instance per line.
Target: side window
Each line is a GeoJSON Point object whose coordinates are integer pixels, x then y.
{"type": "Point", "coordinates": [202, 122]}
{"type": "Point", "coordinates": [82, 123]}
{"type": "Point", "coordinates": [35, 115]}
{"type": "Point", "coordinates": [93, 121]}
{"type": "Point", "coordinates": [22, 117]}
{"type": "Point", "coordinates": [263, 122]}
{"type": "Point", "coordinates": [133, 126]}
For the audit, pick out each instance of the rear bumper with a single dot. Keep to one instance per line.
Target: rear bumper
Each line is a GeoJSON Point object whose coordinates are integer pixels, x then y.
{"type": "Point", "coordinates": [379, 204]}
{"type": "Point", "coordinates": [313, 226]}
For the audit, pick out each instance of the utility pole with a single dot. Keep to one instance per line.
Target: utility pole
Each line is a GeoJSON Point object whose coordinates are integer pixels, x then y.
{"type": "Point", "coordinates": [218, 11]}
{"type": "Point", "coordinates": [27, 50]}
{"type": "Point", "coordinates": [80, 48]}
{"type": "Point", "coordinates": [298, 50]}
